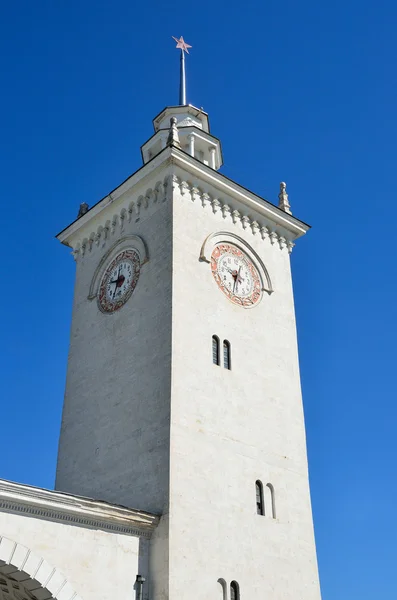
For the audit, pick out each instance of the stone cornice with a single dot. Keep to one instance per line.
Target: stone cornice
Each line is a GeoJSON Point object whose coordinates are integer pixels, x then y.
{"type": "Point", "coordinates": [66, 508]}
{"type": "Point", "coordinates": [172, 156]}
{"type": "Point", "coordinates": [231, 188]}
{"type": "Point", "coordinates": [109, 225]}
{"type": "Point", "coordinates": [264, 228]}
{"type": "Point", "coordinates": [150, 168]}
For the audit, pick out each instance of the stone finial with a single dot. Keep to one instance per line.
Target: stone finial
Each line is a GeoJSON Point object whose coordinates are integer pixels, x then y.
{"type": "Point", "coordinates": [283, 198]}
{"type": "Point", "coordinates": [173, 136]}
{"type": "Point", "coordinates": [82, 210]}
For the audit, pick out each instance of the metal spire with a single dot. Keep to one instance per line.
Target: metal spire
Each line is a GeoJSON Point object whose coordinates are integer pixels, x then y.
{"type": "Point", "coordinates": [182, 84]}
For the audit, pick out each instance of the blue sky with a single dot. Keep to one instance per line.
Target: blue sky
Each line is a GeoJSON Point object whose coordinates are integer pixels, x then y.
{"type": "Point", "coordinates": [304, 92]}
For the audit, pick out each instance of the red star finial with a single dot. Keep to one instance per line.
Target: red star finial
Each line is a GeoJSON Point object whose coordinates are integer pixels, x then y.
{"type": "Point", "coordinates": [181, 44]}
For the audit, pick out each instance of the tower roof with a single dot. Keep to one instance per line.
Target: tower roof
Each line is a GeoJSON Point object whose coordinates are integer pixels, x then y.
{"type": "Point", "coordinates": [186, 115]}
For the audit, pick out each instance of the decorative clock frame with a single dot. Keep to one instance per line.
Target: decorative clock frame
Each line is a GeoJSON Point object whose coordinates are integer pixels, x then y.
{"type": "Point", "coordinates": [128, 244]}
{"type": "Point", "coordinates": [232, 251]}
{"type": "Point", "coordinates": [127, 257]}
{"type": "Point", "coordinates": [224, 240]}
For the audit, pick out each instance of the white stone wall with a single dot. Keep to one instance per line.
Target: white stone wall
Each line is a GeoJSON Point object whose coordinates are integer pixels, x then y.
{"type": "Point", "coordinates": [148, 415]}
{"type": "Point", "coordinates": [98, 565]}
{"type": "Point", "coordinates": [114, 442]}
{"type": "Point", "coordinates": [230, 428]}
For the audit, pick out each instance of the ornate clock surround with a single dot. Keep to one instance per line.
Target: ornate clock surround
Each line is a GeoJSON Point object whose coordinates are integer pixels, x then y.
{"type": "Point", "coordinates": [132, 243]}
{"type": "Point", "coordinates": [227, 238]}
{"type": "Point", "coordinates": [236, 275]}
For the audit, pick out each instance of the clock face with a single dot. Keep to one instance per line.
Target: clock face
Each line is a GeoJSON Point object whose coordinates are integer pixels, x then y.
{"type": "Point", "coordinates": [119, 281]}
{"type": "Point", "coordinates": [236, 275]}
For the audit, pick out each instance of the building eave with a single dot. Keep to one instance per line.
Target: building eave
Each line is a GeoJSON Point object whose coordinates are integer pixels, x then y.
{"type": "Point", "coordinates": [201, 171]}
{"type": "Point", "coordinates": [76, 510]}
{"type": "Point", "coordinates": [136, 177]}
{"type": "Point", "coordinates": [179, 108]}
{"type": "Point", "coordinates": [230, 187]}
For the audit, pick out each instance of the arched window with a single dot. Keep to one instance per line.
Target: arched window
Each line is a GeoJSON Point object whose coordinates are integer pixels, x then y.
{"type": "Point", "coordinates": [270, 500]}
{"type": "Point", "coordinates": [215, 350]}
{"type": "Point", "coordinates": [226, 355]}
{"type": "Point", "coordinates": [222, 583]}
{"type": "Point", "coordinates": [234, 591]}
{"type": "Point", "coordinates": [260, 506]}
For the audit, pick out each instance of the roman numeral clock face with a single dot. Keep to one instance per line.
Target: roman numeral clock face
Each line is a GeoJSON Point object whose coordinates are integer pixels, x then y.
{"type": "Point", "coordinates": [119, 281]}
{"type": "Point", "coordinates": [236, 275]}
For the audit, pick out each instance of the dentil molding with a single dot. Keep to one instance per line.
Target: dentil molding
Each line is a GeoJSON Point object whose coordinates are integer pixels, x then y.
{"type": "Point", "coordinates": [163, 191]}
{"type": "Point", "coordinates": [67, 508]}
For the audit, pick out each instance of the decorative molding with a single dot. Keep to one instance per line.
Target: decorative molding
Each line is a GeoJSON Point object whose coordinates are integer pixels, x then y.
{"type": "Point", "coordinates": [226, 236]}
{"type": "Point", "coordinates": [245, 221]}
{"type": "Point", "coordinates": [116, 224]}
{"type": "Point", "coordinates": [172, 159]}
{"type": "Point", "coordinates": [52, 515]}
{"type": "Point", "coordinates": [163, 191]}
{"type": "Point", "coordinates": [236, 216]}
{"type": "Point", "coordinates": [66, 508]}
{"type": "Point", "coordinates": [188, 122]}
{"type": "Point", "coordinates": [184, 188]}
{"type": "Point", "coordinates": [194, 193]}
{"type": "Point", "coordinates": [205, 199]}
{"type": "Point", "coordinates": [265, 231]}
{"type": "Point", "coordinates": [282, 242]}
{"type": "Point", "coordinates": [248, 202]}
{"type": "Point", "coordinates": [24, 575]}
{"type": "Point", "coordinates": [216, 205]}
{"type": "Point", "coordinates": [128, 241]}
{"type": "Point", "coordinates": [175, 182]}
{"type": "Point", "coordinates": [255, 227]}
{"type": "Point", "coordinates": [226, 211]}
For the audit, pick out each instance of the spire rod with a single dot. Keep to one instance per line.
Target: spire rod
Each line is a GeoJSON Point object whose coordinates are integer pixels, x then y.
{"type": "Point", "coordinates": [182, 82]}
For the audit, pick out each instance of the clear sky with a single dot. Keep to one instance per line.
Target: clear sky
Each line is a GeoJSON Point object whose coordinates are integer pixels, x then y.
{"type": "Point", "coordinates": [298, 91]}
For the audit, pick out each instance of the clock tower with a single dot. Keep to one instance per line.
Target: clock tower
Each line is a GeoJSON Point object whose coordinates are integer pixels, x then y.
{"type": "Point", "coordinates": [183, 394]}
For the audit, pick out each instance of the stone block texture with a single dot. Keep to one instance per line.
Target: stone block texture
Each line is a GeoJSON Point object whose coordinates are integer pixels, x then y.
{"type": "Point", "coordinates": [151, 423]}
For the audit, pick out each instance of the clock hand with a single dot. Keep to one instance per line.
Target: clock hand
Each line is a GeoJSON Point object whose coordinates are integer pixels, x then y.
{"type": "Point", "coordinates": [238, 279]}
{"type": "Point", "coordinates": [117, 283]}
{"type": "Point", "coordinates": [118, 276]}
{"type": "Point", "coordinates": [235, 276]}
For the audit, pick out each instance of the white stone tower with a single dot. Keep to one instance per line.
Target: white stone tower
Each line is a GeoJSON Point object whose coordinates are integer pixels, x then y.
{"type": "Point", "coordinates": [183, 394]}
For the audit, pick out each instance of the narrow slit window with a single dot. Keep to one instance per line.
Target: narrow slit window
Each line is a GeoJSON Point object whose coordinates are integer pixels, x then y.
{"type": "Point", "coordinates": [215, 350]}
{"type": "Point", "coordinates": [272, 499]}
{"type": "Point", "coordinates": [226, 355]}
{"type": "Point", "coordinates": [260, 506]}
{"type": "Point", "coordinates": [223, 585]}
{"type": "Point", "coordinates": [234, 591]}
